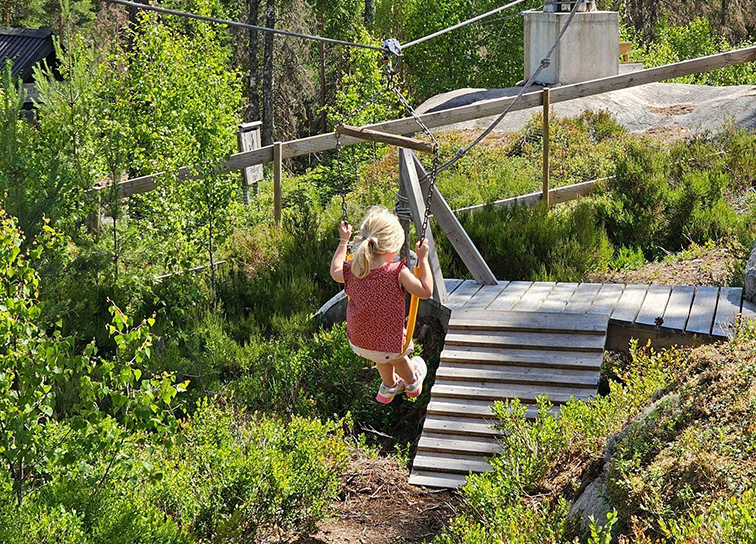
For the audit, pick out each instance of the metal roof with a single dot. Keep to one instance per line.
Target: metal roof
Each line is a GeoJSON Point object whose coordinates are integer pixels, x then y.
{"type": "Point", "coordinates": [25, 47]}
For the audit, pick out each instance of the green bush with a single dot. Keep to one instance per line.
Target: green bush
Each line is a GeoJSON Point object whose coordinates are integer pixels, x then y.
{"type": "Point", "coordinates": [237, 479]}
{"type": "Point", "coordinates": [522, 243]}
{"type": "Point", "coordinates": [499, 504]}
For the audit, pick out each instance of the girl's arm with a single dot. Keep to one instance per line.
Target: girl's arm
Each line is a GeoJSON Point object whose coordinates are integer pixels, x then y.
{"type": "Point", "coordinates": [337, 263]}
{"type": "Point", "coordinates": [422, 286]}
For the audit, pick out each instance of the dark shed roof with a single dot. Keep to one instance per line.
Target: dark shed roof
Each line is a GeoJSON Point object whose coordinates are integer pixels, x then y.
{"type": "Point", "coordinates": [25, 47]}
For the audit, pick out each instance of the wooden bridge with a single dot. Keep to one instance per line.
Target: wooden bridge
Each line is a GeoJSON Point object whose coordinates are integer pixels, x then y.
{"type": "Point", "coordinates": [524, 339]}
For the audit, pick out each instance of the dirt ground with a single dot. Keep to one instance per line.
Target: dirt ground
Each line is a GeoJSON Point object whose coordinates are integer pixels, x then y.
{"type": "Point", "coordinates": [711, 267]}
{"type": "Point", "coordinates": [378, 506]}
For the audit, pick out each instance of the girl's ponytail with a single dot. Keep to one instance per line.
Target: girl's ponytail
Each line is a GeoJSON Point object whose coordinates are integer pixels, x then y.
{"type": "Point", "coordinates": [380, 232]}
{"type": "Point", "coordinates": [362, 259]}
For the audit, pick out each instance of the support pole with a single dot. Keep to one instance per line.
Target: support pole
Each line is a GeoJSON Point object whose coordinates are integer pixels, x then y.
{"type": "Point", "coordinates": [403, 201]}
{"type": "Point", "coordinates": [409, 178]}
{"type": "Point", "coordinates": [546, 123]}
{"type": "Point", "coordinates": [277, 172]}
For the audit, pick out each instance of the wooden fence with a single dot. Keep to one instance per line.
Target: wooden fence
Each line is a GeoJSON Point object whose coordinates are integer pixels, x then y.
{"type": "Point", "coordinates": [285, 150]}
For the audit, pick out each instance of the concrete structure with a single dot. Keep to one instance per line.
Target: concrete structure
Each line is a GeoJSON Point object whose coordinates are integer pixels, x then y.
{"type": "Point", "coordinates": [588, 50]}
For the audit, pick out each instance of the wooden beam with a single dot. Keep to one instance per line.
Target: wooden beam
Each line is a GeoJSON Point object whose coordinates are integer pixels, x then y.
{"type": "Point", "coordinates": [277, 173]}
{"type": "Point", "coordinates": [546, 122]}
{"type": "Point", "coordinates": [556, 196]}
{"type": "Point", "coordinates": [453, 229]}
{"type": "Point", "coordinates": [385, 138]}
{"type": "Point", "coordinates": [408, 176]}
{"type": "Point", "coordinates": [486, 108]}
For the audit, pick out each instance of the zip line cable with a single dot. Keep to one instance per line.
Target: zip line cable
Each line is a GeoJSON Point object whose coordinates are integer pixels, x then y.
{"type": "Point", "coordinates": [463, 23]}
{"type": "Point", "coordinates": [545, 62]}
{"type": "Point", "coordinates": [245, 25]}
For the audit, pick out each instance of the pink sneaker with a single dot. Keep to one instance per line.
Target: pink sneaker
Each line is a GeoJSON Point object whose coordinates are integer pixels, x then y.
{"type": "Point", "coordinates": [386, 394]}
{"type": "Point", "coordinates": [421, 371]}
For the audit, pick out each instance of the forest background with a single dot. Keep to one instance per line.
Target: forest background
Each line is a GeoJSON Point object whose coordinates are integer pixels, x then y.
{"type": "Point", "coordinates": [143, 403]}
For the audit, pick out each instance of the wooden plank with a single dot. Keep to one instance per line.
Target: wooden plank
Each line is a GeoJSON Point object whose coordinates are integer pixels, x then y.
{"type": "Point", "coordinates": [485, 296]}
{"type": "Point", "coordinates": [453, 463]}
{"type": "Point", "coordinates": [471, 426]}
{"type": "Point", "coordinates": [453, 229]}
{"type": "Point", "coordinates": [557, 299]}
{"type": "Point", "coordinates": [582, 299]}
{"type": "Point", "coordinates": [277, 174]}
{"type": "Point", "coordinates": [493, 392]}
{"type": "Point", "coordinates": [702, 311]}
{"type": "Point", "coordinates": [546, 140]}
{"type": "Point", "coordinates": [248, 138]}
{"type": "Point", "coordinates": [520, 375]}
{"type": "Point", "coordinates": [678, 307]}
{"type": "Point", "coordinates": [462, 294]}
{"type": "Point", "coordinates": [372, 135]}
{"type": "Point", "coordinates": [451, 285]}
{"type": "Point", "coordinates": [510, 295]}
{"type": "Point", "coordinates": [485, 108]}
{"type": "Point", "coordinates": [653, 305]}
{"type": "Point", "coordinates": [436, 479]}
{"type": "Point", "coordinates": [534, 296]}
{"type": "Point", "coordinates": [408, 177]}
{"type": "Point", "coordinates": [455, 443]}
{"type": "Point", "coordinates": [470, 408]}
{"type": "Point", "coordinates": [497, 320]}
{"type": "Point", "coordinates": [728, 307]}
{"type": "Point", "coordinates": [527, 340]}
{"type": "Point", "coordinates": [556, 196]}
{"type": "Point", "coordinates": [522, 357]}
{"type": "Point", "coordinates": [629, 303]}
{"type": "Point", "coordinates": [607, 299]}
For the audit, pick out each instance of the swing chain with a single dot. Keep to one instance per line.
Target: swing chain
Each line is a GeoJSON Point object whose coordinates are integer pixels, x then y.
{"type": "Point", "coordinates": [342, 182]}
{"type": "Point", "coordinates": [431, 189]}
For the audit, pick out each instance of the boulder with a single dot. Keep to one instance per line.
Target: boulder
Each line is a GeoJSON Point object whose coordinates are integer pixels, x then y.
{"type": "Point", "coordinates": [750, 277]}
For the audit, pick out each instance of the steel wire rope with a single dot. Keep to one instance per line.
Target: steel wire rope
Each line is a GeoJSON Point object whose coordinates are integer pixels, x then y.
{"type": "Point", "coordinates": [245, 25]}
{"type": "Point", "coordinates": [545, 62]}
{"type": "Point", "coordinates": [463, 23]}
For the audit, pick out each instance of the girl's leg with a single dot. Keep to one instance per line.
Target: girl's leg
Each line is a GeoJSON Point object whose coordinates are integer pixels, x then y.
{"type": "Point", "coordinates": [387, 374]}
{"type": "Point", "coordinates": [404, 368]}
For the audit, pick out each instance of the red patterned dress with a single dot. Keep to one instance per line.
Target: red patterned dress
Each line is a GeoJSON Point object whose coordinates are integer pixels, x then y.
{"type": "Point", "coordinates": [375, 312]}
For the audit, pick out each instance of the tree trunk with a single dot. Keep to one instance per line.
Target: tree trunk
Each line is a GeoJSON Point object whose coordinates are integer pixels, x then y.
{"type": "Point", "coordinates": [323, 117]}
{"type": "Point", "coordinates": [267, 83]}
{"type": "Point", "coordinates": [253, 113]}
{"type": "Point", "coordinates": [369, 12]}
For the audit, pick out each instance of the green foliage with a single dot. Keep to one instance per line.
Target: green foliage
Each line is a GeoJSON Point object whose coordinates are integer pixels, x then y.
{"type": "Point", "coordinates": [532, 243]}
{"type": "Point", "coordinates": [695, 39]}
{"type": "Point", "coordinates": [499, 504]}
{"type": "Point", "coordinates": [109, 398]}
{"type": "Point", "coordinates": [232, 481]}
{"type": "Point", "coordinates": [487, 54]}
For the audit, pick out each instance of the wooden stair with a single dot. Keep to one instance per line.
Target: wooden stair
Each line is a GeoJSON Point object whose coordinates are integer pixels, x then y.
{"type": "Point", "coordinates": [492, 355]}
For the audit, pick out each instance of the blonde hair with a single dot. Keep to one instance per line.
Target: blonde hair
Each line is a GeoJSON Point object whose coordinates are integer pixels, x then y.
{"type": "Point", "coordinates": [380, 232]}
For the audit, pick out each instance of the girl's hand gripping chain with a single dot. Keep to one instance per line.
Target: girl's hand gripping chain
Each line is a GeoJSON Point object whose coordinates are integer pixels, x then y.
{"type": "Point", "coordinates": [337, 263]}
{"type": "Point", "coordinates": [345, 232]}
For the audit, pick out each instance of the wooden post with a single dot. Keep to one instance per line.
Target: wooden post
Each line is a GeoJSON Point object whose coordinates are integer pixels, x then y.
{"type": "Point", "coordinates": [248, 138]}
{"type": "Point", "coordinates": [546, 122]}
{"type": "Point", "coordinates": [451, 226]}
{"type": "Point", "coordinates": [409, 178]}
{"type": "Point", "coordinates": [277, 172]}
{"type": "Point", "coordinates": [402, 193]}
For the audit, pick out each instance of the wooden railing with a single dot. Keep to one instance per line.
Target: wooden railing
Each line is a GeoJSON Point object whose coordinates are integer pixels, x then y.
{"type": "Point", "coordinates": [314, 144]}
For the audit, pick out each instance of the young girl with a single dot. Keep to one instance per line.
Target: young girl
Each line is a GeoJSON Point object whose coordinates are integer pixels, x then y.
{"type": "Point", "coordinates": [375, 312]}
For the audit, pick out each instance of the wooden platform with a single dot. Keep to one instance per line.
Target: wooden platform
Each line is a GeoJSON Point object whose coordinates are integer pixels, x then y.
{"type": "Point", "coordinates": [664, 314]}
{"type": "Point", "coordinates": [492, 355]}
{"type": "Point", "coordinates": [523, 339]}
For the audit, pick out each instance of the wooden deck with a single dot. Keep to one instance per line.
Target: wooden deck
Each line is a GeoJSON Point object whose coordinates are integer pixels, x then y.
{"type": "Point", "coordinates": [664, 314]}
{"type": "Point", "coordinates": [524, 339]}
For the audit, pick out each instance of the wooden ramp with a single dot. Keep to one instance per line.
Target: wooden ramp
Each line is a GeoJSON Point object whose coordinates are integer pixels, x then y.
{"type": "Point", "coordinates": [492, 355]}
